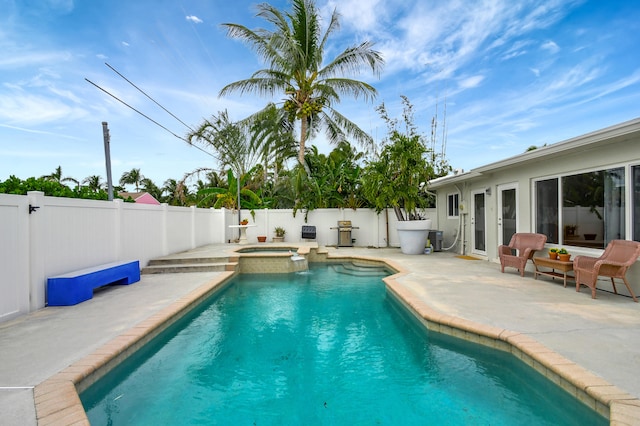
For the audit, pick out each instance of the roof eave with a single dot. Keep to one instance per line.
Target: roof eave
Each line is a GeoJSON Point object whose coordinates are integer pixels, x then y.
{"type": "Point", "coordinates": [593, 138]}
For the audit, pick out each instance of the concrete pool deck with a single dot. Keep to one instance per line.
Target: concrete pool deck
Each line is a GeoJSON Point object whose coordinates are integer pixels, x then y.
{"type": "Point", "coordinates": [601, 336]}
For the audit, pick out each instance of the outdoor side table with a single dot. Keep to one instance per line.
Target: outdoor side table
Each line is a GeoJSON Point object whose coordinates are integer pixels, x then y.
{"type": "Point", "coordinates": [558, 268]}
{"type": "Point", "coordinates": [243, 232]}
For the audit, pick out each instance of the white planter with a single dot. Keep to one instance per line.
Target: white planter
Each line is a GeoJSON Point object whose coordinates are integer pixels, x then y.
{"type": "Point", "coordinates": [413, 235]}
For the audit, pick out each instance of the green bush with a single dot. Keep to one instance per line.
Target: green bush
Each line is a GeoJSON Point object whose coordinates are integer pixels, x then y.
{"type": "Point", "coordinates": [16, 186]}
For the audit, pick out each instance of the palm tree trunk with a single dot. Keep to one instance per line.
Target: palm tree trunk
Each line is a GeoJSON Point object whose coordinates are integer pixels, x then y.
{"type": "Point", "coordinates": [303, 138]}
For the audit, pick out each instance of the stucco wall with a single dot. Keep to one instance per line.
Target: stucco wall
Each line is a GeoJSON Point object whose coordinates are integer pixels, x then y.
{"type": "Point", "coordinates": [618, 152]}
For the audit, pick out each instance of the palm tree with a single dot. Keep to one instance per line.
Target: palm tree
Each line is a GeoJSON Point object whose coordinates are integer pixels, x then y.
{"type": "Point", "coordinates": [229, 197]}
{"type": "Point", "coordinates": [272, 136]}
{"type": "Point", "coordinates": [229, 141]}
{"type": "Point", "coordinates": [56, 176]}
{"type": "Point", "coordinates": [334, 180]}
{"type": "Point", "coordinates": [94, 183]}
{"type": "Point", "coordinates": [175, 192]}
{"type": "Point", "coordinates": [133, 177]}
{"type": "Point", "coordinates": [213, 179]}
{"type": "Point", "coordinates": [151, 188]}
{"type": "Point", "coordinates": [232, 147]}
{"type": "Point", "coordinates": [296, 67]}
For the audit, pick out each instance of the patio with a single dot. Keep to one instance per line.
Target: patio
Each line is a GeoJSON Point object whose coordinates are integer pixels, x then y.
{"type": "Point", "coordinates": [600, 335]}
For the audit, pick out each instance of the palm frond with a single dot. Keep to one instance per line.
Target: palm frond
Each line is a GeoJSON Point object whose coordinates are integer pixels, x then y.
{"type": "Point", "coordinates": [353, 59]}
{"type": "Point", "coordinates": [293, 52]}
{"type": "Point", "coordinates": [347, 86]}
{"type": "Point", "coordinates": [334, 25]}
{"type": "Point", "coordinates": [258, 86]}
{"type": "Point", "coordinates": [339, 125]}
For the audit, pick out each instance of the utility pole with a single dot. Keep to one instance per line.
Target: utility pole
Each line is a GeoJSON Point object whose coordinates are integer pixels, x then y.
{"type": "Point", "coordinates": [107, 157]}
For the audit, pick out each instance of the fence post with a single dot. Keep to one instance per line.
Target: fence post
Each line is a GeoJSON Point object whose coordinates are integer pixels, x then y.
{"type": "Point", "coordinates": [212, 222]}
{"type": "Point", "coordinates": [37, 223]}
{"type": "Point", "coordinates": [117, 226]}
{"type": "Point", "coordinates": [193, 227]}
{"type": "Point", "coordinates": [267, 225]}
{"type": "Point", "coordinates": [165, 233]}
{"type": "Point", "coordinates": [223, 224]}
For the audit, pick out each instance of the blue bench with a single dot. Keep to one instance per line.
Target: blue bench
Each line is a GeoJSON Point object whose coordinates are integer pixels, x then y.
{"type": "Point", "coordinates": [77, 286]}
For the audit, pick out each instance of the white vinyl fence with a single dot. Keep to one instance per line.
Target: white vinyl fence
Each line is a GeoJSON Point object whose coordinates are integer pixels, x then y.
{"type": "Point", "coordinates": [43, 236]}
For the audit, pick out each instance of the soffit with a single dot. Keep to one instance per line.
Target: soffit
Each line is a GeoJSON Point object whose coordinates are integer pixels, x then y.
{"type": "Point", "coordinates": [603, 137]}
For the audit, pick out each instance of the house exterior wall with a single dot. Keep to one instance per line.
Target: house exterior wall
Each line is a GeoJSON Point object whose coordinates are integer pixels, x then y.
{"type": "Point", "coordinates": [606, 154]}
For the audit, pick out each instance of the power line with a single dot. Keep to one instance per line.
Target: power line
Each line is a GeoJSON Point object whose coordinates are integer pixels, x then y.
{"type": "Point", "coordinates": [153, 100]}
{"type": "Point", "coordinates": [148, 118]}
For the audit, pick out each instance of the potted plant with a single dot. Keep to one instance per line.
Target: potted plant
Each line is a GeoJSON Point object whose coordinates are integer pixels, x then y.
{"type": "Point", "coordinates": [563, 255]}
{"type": "Point", "coordinates": [262, 238]}
{"type": "Point", "coordinates": [279, 235]}
{"type": "Point", "coordinates": [398, 178]}
{"type": "Point", "coordinates": [244, 221]}
{"type": "Point", "coordinates": [553, 253]}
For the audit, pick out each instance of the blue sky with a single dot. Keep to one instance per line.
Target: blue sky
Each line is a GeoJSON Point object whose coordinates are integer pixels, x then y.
{"type": "Point", "coordinates": [511, 73]}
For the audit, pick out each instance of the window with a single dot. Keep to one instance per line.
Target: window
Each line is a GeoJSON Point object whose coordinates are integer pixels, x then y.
{"type": "Point", "coordinates": [547, 209]}
{"type": "Point", "coordinates": [593, 208]}
{"type": "Point", "coordinates": [453, 205]}
{"type": "Point", "coordinates": [635, 202]}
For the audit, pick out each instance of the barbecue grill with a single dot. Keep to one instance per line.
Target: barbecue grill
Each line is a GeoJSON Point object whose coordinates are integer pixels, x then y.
{"type": "Point", "coordinates": [344, 233]}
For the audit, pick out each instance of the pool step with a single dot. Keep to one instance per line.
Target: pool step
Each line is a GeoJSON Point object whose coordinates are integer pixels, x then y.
{"type": "Point", "coordinates": [360, 270]}
{"type": "Point", "coordinates": [174, 265]}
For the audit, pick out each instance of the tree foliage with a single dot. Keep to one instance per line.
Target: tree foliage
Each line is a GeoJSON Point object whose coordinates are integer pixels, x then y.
{"type": "Point", "coordinates": [132, 177]}
{"type": "Point", "coordinates": [252, 170]}
{"type": "Point", "coordinates": [296, 67]}
{"type": "Point", "coordinates": [50, 187]}
{"type": "Point", "coordinates": [399, 175]}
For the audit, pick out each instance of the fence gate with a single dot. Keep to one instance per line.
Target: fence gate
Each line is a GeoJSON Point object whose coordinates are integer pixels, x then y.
{"type": "Point", "coordinates": [14, 256]}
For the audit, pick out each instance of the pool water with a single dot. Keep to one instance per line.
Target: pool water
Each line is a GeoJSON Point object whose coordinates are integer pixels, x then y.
{"type": "Point", "coordinates": [321, 348]}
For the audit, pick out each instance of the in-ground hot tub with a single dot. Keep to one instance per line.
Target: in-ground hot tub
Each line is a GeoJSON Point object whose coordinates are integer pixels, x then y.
{"type": "Point", "coordinates": [272, 260]}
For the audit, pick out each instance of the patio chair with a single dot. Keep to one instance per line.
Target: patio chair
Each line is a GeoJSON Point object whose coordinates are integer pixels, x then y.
{"type": "Point", "coordinates": [520, 250]}
{"type": "Point", "coordinates": [614, 262]}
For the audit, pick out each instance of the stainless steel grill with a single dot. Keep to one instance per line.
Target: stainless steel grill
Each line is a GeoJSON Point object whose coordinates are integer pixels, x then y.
{"type": "Point", "coordinates": [344, 233]}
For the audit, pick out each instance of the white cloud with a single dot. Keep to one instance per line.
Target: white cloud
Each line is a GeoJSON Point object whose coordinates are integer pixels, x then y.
{"type": "Point", "coordinates": [125, 44]}
{"type": "Point", "coordinates": [35, 109]}
{"type": "Point", "coordinates": [27, 59]}
{"type": "Point", "coordinates": [517, 49]}
{"type": "Point", "coordinates": [470, 82]}
{"type": "Point", "coordinates": [194, 19]}
{"type": "Point", "coordinates": [551, 46]}
{"type": "Point", "coordinates": [362, 16]}
{"type": "Point", "coordinates": [615, 86]}
{"type": "Point", "coordinates": [35, 131]}
{"type": "Point", "coordinates": [446, 36]}
{"type": "Point", "coordinates": [535, 71]}
{"type": "Point", "coordinates": [575, 77]}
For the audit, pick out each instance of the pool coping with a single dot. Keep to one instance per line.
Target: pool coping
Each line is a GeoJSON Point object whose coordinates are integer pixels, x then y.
{"type": "Point", "coordinates": [57, 400]}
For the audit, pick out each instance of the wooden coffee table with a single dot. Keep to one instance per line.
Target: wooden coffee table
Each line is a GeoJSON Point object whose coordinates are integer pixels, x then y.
{"type": "Point", "coordinates": [558, 268]}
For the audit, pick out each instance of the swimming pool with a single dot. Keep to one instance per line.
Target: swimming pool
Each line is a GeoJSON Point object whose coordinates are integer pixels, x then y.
{"type": "Point", "coordinates": [320, 347]}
